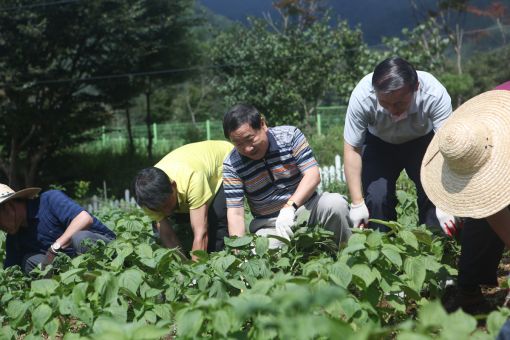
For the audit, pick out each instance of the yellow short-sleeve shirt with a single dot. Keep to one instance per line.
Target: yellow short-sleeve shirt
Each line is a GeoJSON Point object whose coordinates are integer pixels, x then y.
{"type": "Point", "coordinates": [197, 170]}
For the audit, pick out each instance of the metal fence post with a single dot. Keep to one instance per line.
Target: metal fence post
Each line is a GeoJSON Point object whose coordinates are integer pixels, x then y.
{"type": "Point", "coordinates": [103, 135]}
{"type": "Point", "coordinates": [155, 132]}
{"type": "Point", "coordinates": [208, 129]}
{"type": "Point", "coordinates": [319, 127]}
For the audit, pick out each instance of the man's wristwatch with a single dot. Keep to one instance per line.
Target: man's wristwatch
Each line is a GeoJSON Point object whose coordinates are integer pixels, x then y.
{"type": "Point", "coordinates": [293, 204]}
{"type": "Point", "coordinates": [55, 247]}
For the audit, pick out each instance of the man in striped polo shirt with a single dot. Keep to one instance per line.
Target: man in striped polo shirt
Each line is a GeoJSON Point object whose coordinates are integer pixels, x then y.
{"type": "Point", "coordinates": [274, 168]}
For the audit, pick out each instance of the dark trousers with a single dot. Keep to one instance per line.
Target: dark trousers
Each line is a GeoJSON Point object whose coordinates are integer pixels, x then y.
{"type": "Point", "coordinates": [480, 254]}
{"type": "Point", "coordinates": [382, 164]}
{"type": "Point", "coordinates": [216, 219]}
{"type": "Point", "coordinates": [30, 261]}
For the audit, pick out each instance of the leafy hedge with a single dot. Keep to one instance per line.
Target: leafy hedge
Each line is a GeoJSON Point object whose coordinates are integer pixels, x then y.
{"type": "Point", "coordinates": [377, 286]}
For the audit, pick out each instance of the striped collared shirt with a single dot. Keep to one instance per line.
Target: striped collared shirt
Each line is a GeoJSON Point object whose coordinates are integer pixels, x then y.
{"type": "Point", "coordinates": [268, 183]}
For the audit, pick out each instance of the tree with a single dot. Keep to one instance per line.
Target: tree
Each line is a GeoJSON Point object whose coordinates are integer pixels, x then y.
{"type": "Point", "coordinates": [286, 75]}
{"type": "Point", "coordinates": [497, 11]}
{"type": "Point", "coordinates": [423, 46]}
{"type": "Point", "coordinates": [157, 34]}
{"type": "Point", "coordinates": [449, 17]}
{"type": "Point", "coordinates": [52, 58]}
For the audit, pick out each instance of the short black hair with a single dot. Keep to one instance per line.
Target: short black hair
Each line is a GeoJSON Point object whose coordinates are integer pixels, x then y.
{"type": "Point", "coordinates": [152, 187]}
{"type": "Point", "coordinates": [241, 114]}
{"type": "Point", "coordinates": [393, 74]}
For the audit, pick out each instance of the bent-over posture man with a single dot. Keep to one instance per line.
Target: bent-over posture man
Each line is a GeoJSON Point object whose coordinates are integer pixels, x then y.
{"type": "Point", "coordinates": [38, 228]}
{"type": "Point", "coordinates": [187, 184]}
{"type": "Point", "coordinates": [391, 118]}
{"type": "Point", "coordinates": [274, 168]}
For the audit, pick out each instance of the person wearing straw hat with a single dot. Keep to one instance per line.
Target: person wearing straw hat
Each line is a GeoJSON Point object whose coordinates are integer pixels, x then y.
{"type": "Point", "coordinates": [391, 118]}
{"type": "Point", "coordinates": [38, 228]}
{"type": "Point", "coordinates": [466, 172]}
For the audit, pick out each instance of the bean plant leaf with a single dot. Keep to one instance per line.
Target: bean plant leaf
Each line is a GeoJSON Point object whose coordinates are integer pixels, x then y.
{"type": "Point", "coordinates": [41, 315]}
{"type": "Point", "coordinates": [408, 238]}
{"type": "Point", "coordinates": [51, 327]}
{"type": "Point", "coordinates": [340, 274]}
{"type": "Point", "coordinates": [16, 311]}
{"type": "Point", "coordinates": [189, 323]}
{"type": "Point", "coordinates": [221, 322]}
{"type": "Point", "coordinates": [237, 242]}
{"type": "Point", "coordinates": [364, 273]}
{"type": "Point", "coordinates": [131, 280]}
{"type": "Point", "coordinates": [374, 239]}
{"type": "Point", "coordinates": [393, 256]}
{"type": "Point", "coordinates": [261, 246]}
{"type": "Point", "coordinates": [415, 270]}
{"type": "Point", "coordinates": [44, 287]}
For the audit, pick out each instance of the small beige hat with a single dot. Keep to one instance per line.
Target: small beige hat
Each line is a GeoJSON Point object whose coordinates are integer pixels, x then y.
{"type": "Point", "coordinates": [6, 193]}
{"type": "Point", "coordinates": [466, 169]}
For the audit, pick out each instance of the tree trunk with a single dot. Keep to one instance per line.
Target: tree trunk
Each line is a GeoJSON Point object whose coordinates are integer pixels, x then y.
{"type": "Point", "coordinates": [131, 143]}
{"type": "Point", "coordinates": [149, 123]}
{"type": "Point", "coordinates": [13, 171]}
{"type": "Point", "coordinates": [33, 167]}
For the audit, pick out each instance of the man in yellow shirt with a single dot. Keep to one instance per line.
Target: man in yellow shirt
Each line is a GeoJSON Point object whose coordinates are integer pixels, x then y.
{"type": "Point", "coordinates": [187, 181]}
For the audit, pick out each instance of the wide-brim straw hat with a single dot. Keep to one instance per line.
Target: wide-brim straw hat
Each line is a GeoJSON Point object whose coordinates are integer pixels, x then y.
{"type": "Point", "coordinates": [466, 169]}
{"type": "Point", "coordinates": [6, 193]}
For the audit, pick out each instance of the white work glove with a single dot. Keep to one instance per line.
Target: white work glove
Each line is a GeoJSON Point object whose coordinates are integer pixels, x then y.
{"type": "Point", "coordinates": [359, 215]}
{"type": "Point", "coordinates": [450, 225]}
{"type": "Point", "coordinates": [285, 221]}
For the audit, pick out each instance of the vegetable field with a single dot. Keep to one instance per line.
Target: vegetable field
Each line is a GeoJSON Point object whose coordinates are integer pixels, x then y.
{"type": "Point", "coordinates": [377, 286]}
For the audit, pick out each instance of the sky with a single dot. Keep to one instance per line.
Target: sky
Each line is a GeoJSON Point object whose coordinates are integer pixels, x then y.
{"type": "Point", "coordinates": [377, 18]}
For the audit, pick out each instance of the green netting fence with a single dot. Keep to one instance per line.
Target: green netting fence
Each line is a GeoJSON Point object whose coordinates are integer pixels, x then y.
{"type": "Point", "coordinates": [168, 136]}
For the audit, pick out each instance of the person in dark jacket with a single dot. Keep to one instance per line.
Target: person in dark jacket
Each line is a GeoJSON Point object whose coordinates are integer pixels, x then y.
{"type": "Point", "coordinates": [38, 228]}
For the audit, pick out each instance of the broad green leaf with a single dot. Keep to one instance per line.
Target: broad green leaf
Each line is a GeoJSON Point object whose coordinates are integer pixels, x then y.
{"type": "Point", "coordinates": [415, 270]}
{"type": "Point", "coordinates": [353, 248]}
{"type": "Point", "coordinates": [40, 316]}
{"type": "Point", "coordinates": [350, 307]}
{"type": "Point", "coordinates": [189, 323]}
{"type": "Point", "coordinates": [144, 250]}
{"type": "Point", "coordinates": [458, 324]}
{"type": "Point", "coordinates": [371, 255]}
{"type": "Point", "coordinates": [221, 322]}
{"type": "Point", "coordinates": [118, 312]}
{"type": "Point", "coordinates": [218, 290]}
{"type": "Point", "coordinates": [44, 287]}
{"type": "Point", "coordinates": [80, 292]}
{"type": "Point", "coordinates": [7, 333]}
{"type": "Point", "coordinates": [221, 264]}
{"type": "Point", "coordinates": [393, 256]}
{"type": "Point", "coordinates": [164, 311]}
{"type": "Point", "coordinates": [261, 245]}
{"type": "Point", "coordinates": [131, 280]}
{"type": "Point", "coordinates": [340, 274]}
{"type": "Point", "coordinates": [51, 327]}
{"type": "Point", "coordinates": [237, 284]}
{"type": "Point", "coordinates": [237, 242]}
{"type": "Point", "coordinates": [16, 310]}
{"type": "Point", "coordinates": [406, 335]}
{"type": "Point", "coordinates": [149, 332]}
{"type": "Point", "coordinates": [495, 321]}
{"type": "Point", "coordinates": [432, 314]}
{"type": "Point", "coordinates": [357, 239]}
{"type": "Point", "coordinates": [71, 275]}
{"type": "Point", "coordinates": [374, 239]}
{"type": "Point", "coordinates": [408, 238]}
{"type": "Point", "coordinates": [364, 273]}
